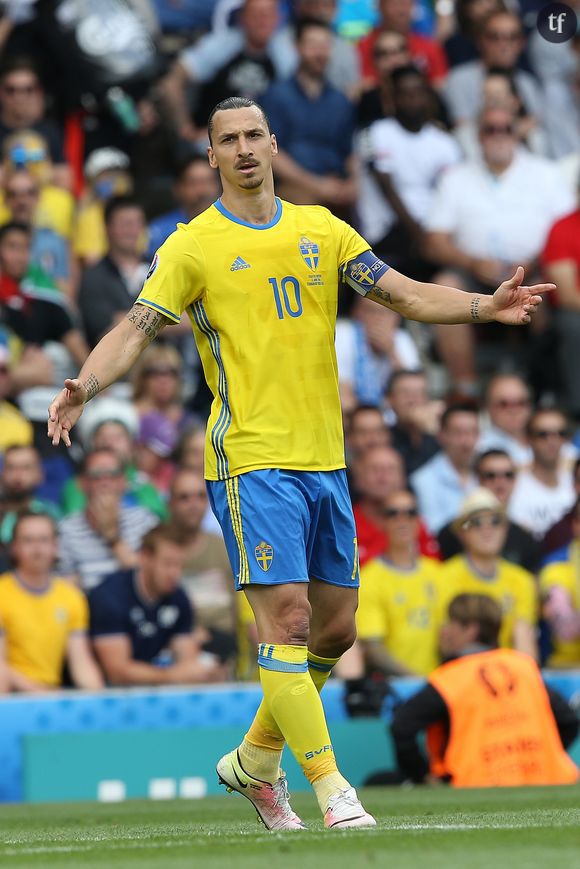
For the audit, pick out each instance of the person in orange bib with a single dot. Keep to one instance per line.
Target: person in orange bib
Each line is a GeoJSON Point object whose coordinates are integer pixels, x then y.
{"type": "Point", "coordinates": [489, 718]}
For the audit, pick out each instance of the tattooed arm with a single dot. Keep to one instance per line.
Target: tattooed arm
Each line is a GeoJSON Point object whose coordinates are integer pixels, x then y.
{"type": "Point", "coordinates": [113, 356]}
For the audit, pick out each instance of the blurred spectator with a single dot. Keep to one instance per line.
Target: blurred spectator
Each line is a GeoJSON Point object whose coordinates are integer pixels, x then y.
{"type": "Point", "coordinates": [486, 218]}
{"type": "Point", "coordinates": [365, 428]}
{"type": "Point", "coordinates": [29, 302]}
{"type": "Point", "coordinates": [196, 187]}
{"type": "Point", "coordinates": [20, 478]}
{"type": "Point", "coordinates": [107, 175]}
{"type": "Point", "coordinates": [406, 155]}
{"type": "Point", "coordinates": [113, 425]}
{"type": "Point", "coordinates": [389, 53]}
{"type": "Point", "coordinates": [343, 66]}
{"type": "Point", "coordinates": [561, 262]}
{"type": "Point", "coordinates": [499, 91]}
{"type": "Point", "coordinates": [29, 150]}
{"type": "Point", "coordinates": [43, 618]}
{"type": "Point", "coordinates": [22, 107]}
{"type": "Point", "coordinates": [376, 474]}
{"type": "Point", "coordinates": [156, 441]}
{"type": "Point", "coordinates": [500, 41]}
{"type": "Point", "coordinates": [15, 429]}
{"type": "Point", "coordinates": [497, 472]}
{"type": "Point", "coordinates": [207, 575]}
{"type": "Point", "coordinates": [561, 593]}
{"type": "Point", "coordinates": [545, 492]}
{"type": "Point", "coordinates": [106, 536]}
{"type": "Point", "coordinates": [109, 288]}
{"type": "Point", "coordinates": [489, 718]}
{"type": "Point", "coordinates": [241, 60]}
{"type": "Point", "coordinates": [426, 53]}
{"type": "Point", "coordinates": [461, 46]}
{"type": "Point", "coordinates": [190, 449]}
{"type": "Point", "coordinates": [142, 621]}
{"type": "Point", "coordinates": [370, 347]}
{"type": "Point", "coordinates": [50, 251]}
{"type": "Point", "coordinates": [442, 483]}
{"type": "Point", "coordinates": [481, 525]}
{"type": "Point", "coordinates": [157, 385]}
{"type": "Point", "coordinates": [508, 408]}
{"type": "Point", "coordinates": [559, 535]}
{"type": "Point", "coordinates": [314, 125]}
{"type": "Point", "coordinates": [397, 614]}
{"type": "Point", "coordinates": [416, 418]}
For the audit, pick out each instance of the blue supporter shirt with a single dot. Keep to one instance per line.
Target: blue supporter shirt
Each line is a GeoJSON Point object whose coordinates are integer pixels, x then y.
{"type": "Point", "coordinates": [116, 607]}
{"type": "Point", "coordinates": [317, 133]}
{"type": "Point", "coordinates": [162, 227]}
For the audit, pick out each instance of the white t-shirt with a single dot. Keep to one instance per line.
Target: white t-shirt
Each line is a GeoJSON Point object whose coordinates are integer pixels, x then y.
{"type": "Point", "coordinates": [506, 217]}
{"type": "Point", "coordinates": [537, 507]}
{"type": "Point", "coordinates": [345, 342]}
{"type": "Point", "coordinates": [413, 160]}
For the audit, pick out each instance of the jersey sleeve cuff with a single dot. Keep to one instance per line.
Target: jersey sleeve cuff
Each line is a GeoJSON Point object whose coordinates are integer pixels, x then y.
{"type": "Point", "coordinates": [148, 304]}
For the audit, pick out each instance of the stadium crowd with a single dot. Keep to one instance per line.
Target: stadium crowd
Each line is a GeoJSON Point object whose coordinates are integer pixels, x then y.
{"type": "Point", "coordinates": [450, 137]}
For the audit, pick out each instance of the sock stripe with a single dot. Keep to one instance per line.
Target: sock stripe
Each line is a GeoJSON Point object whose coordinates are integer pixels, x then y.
{"type": "Point", "coordinates": [268, 663]}
{"type": "Point", "coordinates": [322, 668]}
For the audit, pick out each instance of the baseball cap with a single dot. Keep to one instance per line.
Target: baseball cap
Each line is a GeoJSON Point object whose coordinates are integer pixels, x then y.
{"type": "Point", "coordinates": [478, 501]}
{"type": "Point", "coordinates": [158, 434]}
{"type": "Point", "coordinates": [104, 159]}
{"type": "Point", "coordinates": [101, 410]}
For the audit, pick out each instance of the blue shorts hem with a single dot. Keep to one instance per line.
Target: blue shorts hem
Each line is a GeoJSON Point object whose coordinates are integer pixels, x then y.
{"type": "Point", "coordinates": [241, 586]}
{"type": "Point", "coordinates": [348, 583]}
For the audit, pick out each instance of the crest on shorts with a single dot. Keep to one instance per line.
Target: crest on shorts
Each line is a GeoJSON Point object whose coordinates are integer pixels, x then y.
{"type": "Point", "coordinates": [309, 252]}
{"type": "Point", "coordinates": [264, 555]}
{"type": "Point", "coordinates": [153, 266]}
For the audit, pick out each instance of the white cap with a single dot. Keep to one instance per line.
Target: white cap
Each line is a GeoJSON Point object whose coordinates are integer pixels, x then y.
{"type": "Point", "coordinates": [103, 159]}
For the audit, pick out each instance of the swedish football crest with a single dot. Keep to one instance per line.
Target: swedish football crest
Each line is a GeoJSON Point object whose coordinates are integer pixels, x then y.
{"type": "Point", "coordinates": [309, 252]}
{"type": "Point", "coordinates": [264, 555]}
{"type": "Point", "coordinates": [361, 273]}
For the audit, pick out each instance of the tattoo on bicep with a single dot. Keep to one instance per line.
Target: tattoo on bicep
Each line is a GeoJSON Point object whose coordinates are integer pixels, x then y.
{"type": "Point", "coordinates": [92, 386]}
{"type": "Point", "coordinates": [147, 320]}
{"type": "Point", "coordinates": [475, 308]}
{"type": "Point", "coordinates": [381, 294]}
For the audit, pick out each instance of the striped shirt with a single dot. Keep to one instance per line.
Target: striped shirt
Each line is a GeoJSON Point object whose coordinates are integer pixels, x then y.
{"type": "Point", "coordinates": [85, 553]}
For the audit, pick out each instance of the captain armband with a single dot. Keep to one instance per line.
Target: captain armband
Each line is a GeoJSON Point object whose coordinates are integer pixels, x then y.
{"type": "Point", "coordinates": [363, 272]}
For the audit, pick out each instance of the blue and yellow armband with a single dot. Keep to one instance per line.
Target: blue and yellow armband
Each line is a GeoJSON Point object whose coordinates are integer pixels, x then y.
{"type": "Point", "coordinates": [363, 272]}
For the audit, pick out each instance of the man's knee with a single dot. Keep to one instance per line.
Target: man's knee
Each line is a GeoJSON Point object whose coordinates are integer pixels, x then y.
{"type": "Point", "coordinates": [283, 617]}
{"type": "Point", "coordinates": [335, 638]}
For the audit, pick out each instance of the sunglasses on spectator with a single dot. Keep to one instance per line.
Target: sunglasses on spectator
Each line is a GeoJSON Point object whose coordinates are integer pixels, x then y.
{"type": "Point", "coordinates": [506, 403]}
{"type": "Point", "coordinates": [12, 194]}
{"type": "Point", "coordinates": [388, 52]}
{"type": "Point", "coordinates": [497, 475]}
{"type": "Point", "coordinates": [104, 474]}
{"type": "Point", "coordinates": [497, 130]}
{"type": "Point", "coordinates": [160, 370]}
{"type": "Point", "coordinates": [395, 513]}
{"type": "Point", "coordinates": [494, 521]}
{"type": "Point", "coordinates": [544, 433]}
{"type": "Point", "coordinates": [505, 36]}
{"type": "Point", "coordinates": [189, 496]}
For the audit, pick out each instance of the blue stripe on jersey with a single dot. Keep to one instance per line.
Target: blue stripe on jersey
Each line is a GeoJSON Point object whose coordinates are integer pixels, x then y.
{"type": "Point", "coordinates": [175, 317]}
{"type": "Point", "coordinates": [223, 422]}
{"type": "Point", "coordinates": [223, 210]}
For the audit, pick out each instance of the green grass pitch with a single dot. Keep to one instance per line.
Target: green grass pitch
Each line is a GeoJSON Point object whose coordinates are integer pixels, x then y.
{"type": "Point", "coordinates": [535, 828]}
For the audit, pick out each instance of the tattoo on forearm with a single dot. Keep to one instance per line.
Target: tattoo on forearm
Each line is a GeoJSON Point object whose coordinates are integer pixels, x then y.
{"type": "Point", "coordinates": [91, 384]}
{"type": "Point", "coordinates": [475, 308]}
{"type": "Point", "coordinates": [147, 320]}
{"type": "Point", "coordinates": [383, 295]}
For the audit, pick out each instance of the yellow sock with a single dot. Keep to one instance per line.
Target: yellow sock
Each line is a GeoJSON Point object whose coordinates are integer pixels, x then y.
{"type": "Point", "coordinates": [294, 702]}
{"type": "Point", "coordinates": [320, 669]}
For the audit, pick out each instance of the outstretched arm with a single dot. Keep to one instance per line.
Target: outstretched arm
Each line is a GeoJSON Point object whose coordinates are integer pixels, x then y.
{"type": "Point", "coordinates": [113, 356]}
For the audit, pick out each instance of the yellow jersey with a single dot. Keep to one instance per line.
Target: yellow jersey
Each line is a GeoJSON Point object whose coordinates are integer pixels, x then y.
{"type": "Point", "coordinates": [262, 301]}
{"type": "Point", "coordinates": [36, 626]}
{"type": "Point", "coordinates": [400, 607]}
{"type": "Point", "coordinates": [566, 575]}
{"type": "Point", "coordinates": [512, 587]}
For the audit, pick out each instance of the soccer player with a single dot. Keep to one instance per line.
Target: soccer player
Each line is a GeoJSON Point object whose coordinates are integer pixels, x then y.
{"type": "Point", "coordinates": [258, 279]}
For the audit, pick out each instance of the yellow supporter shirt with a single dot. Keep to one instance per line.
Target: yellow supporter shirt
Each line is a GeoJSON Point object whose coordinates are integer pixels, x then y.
{"type": "Point", "coordinates": [400, 607]}
{"type": "Point", "coordinates": [262, 303]}
{"type": "Point", "coordinates": [14, 427]}
{"type": "Point", "coordinates": [55, 210]}
{"type": "Point", "coordinates": [512, 587]}
{"type": "Point", "coordinates": [566, 575]}
{"type": "Point", "coordinates": [36, 626]}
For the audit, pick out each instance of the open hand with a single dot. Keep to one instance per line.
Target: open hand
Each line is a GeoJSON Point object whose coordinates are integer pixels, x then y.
{"type": "Point", "coordinates": [65, 410]}
{"type": "Point", "coordinates": [515, 305]}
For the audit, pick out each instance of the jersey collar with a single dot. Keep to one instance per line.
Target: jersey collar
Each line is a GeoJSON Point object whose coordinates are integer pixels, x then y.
{"type": "Point", "coordinates": [223, 210]}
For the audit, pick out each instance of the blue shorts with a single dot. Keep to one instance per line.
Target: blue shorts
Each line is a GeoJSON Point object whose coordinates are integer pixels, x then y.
{"type": "Point", "coordinates": [287, 526]}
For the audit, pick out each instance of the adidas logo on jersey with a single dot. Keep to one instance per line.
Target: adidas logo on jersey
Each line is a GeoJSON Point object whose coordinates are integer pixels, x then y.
{"type": "Point", "coordinates": [238, 264]}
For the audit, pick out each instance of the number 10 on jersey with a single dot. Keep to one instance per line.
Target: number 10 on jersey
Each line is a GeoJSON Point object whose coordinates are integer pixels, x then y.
{"type": "Point", "coordinates": [287, 287]}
